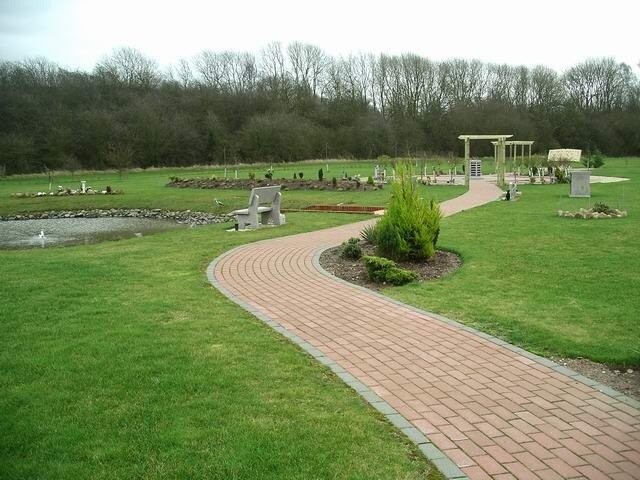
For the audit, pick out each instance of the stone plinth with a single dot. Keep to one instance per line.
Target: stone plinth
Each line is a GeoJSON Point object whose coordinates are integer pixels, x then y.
{"type": "Point", "coordinates": [580, 186]}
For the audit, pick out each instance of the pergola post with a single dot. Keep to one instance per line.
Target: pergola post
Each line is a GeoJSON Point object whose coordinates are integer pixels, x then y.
{"type": "Point", "coordinates": [467, 161]}
{"type": "Point", "coordinates": [502, 153]}
{"type": "Point", "coordinates": [499, 152]}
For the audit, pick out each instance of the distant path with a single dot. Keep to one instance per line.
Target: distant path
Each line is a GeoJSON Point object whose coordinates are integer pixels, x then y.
{"type": "Point", "coordinates": [493, 410]}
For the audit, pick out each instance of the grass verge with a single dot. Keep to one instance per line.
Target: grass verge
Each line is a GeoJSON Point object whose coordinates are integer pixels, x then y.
{"type": "Point", "coordinates": [119, 360]}
{"type": "Point", "coordinates": [556, 286]}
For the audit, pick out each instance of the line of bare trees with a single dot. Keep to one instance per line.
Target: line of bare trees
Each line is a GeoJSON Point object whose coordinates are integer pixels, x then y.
{"type": "Point", "coordinates": [295, 102]}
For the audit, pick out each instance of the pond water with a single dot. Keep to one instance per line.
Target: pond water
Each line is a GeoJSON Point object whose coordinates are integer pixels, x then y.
{"type": "Point", "coordinates": [72, 231]}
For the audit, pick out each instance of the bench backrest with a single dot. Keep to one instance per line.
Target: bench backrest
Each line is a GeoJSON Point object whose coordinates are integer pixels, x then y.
{"type": "Point", "coordinates": [564, 154]}
{"type": "Point", "coordinates": [266, 194]}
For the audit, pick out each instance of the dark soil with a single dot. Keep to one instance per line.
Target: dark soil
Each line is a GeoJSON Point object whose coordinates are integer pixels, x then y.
{"type": "Point", "coordinates": [441, 264]}
{"type": "Point", "coordinates": [624, 380]}
{"type": "Point", "coordinates": [287, 184]}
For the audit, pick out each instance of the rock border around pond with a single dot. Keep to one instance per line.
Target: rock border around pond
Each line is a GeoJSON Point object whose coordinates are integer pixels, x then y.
{"type": "Point", "coordinates": [183, 216]}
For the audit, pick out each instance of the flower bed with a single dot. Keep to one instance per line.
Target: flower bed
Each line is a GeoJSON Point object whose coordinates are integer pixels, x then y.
{"type": "Point", "coordinates": [342, 208]}
{"type": "Point", "coordinates": [287, 184]}
{"type": "Point", "coordinates": [64, 192]}
{"type": "Point", "coordinates": [592, 213]}
{"type": "Point", "coordinates": [442, 263]}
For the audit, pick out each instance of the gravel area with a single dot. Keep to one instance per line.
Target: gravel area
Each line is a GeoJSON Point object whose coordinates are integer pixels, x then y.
{"type": "Point", "coordinates": [625, 380]}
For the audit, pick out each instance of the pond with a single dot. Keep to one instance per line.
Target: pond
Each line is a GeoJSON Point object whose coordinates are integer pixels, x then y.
{"type": "Point", "coordinates": [73, 231]}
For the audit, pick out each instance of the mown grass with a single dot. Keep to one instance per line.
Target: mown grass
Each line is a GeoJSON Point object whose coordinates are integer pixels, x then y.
{"type": "Point", "coordinates": [146, 189]}
{"type": "Point", "coordinates": [120, 360]}
{"type": "Point", "coordinates": [556, 286]}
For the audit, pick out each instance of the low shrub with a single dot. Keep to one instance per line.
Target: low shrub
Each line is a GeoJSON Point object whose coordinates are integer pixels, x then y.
{"type": "Point", "coordinates": [320, 174]}
{"type": "Point", "coordinates": [351, 249]}
{"type": "Point", "coordinates": [252, 176]}
{"type": "Point", "coordinates": [300, 175]}
{"type": "Point", "coordinates": [410, 227]}
{"type": "Point", "coordinates": [334, 182]}
{"type": "Point", "coordinates": [370, 180]}
{"type": "Point", "coordinates": [602, 208]}
{"type": "Point", "coordinates": [383, 270]}
{"type": "Point", "coordinates": [400, 276]}
{"type": "Point", "coordinates": [595, 160]}
{"type": "Point", "coordinates": [368, 234]}
{"type": "Point", "coordinates": [561, 175]}
{"type": "Point", "coordinates": [269, 174]}
{"type": "Point", "coordinates": [295, 176]}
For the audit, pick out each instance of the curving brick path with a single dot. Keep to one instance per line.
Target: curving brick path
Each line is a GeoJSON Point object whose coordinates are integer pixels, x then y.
{"type": "Point", "coordinates": [475, 405]}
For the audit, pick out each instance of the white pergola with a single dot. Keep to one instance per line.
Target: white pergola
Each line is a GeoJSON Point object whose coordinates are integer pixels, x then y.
{"type": "Point", "coordinates": [513, 149]}
{"type": "Point", "coordinates": [500, 154]}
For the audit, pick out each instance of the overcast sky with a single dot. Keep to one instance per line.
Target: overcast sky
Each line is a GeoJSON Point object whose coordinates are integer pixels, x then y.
{"type": "Point", "coordinates": [558, 33]}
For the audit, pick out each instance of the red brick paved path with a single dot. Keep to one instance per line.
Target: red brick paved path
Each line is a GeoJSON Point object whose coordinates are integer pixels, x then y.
{"type": "Point", "coordinates": [494, 412]}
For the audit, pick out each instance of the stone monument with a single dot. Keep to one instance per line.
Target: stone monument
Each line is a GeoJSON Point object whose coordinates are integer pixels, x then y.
{"type": "Point", "coordinates": [580, 186]}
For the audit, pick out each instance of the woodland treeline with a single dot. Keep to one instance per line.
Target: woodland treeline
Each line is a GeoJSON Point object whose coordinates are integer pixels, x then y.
{"type": "Point", "coordinates": [296, 102]}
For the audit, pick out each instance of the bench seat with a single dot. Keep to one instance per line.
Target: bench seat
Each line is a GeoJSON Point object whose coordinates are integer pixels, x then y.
{"type": "Point", "coordinates": [264, 208]}
{"type": "Point", "coordinates": [245, 211]}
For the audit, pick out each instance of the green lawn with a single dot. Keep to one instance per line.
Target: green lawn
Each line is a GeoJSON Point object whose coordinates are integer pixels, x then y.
{"type": "Point", "coordinates": [120, 360]}
{"type": "Point", "coordinates": [146, 189]}
{"type": "Point", "coordinates": [552, 285]}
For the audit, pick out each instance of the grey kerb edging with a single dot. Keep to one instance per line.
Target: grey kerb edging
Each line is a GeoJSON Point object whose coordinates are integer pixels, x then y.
{"type": "Point", "coordinates": [621, 397]}
{"type": "Point", "coordinates": [443, 463]}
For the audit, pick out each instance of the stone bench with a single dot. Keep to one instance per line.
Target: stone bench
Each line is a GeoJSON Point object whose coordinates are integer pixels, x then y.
{"type": "Point", "coordinates": [264, 208]}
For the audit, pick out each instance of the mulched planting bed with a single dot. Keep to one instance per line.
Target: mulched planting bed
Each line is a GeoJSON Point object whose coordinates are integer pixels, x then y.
{"type": "Point", "coordinates": [342, 208]}
{"type": "Point", "coordinates": [441, 264]}
{"type": "Point", "coordinates": [287, 184]}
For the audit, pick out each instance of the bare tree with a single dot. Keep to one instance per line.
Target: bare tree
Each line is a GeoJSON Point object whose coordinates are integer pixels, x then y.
{"type": "Point", "coordinates": [181, 73]}
{"type": "Point", "coordinates": [599, 84]}
{"type": "Point", "coordinates": [545, 89]}
{"type": "Point", "coordinates": [308, 63]}
{"type": "Point", "coordinates": [129, 66]}
{"type": "Point", "coordinates": [227, 71]}
{"type": "Point", "coordinates": [500, 83]}
{"type": "Point", "coordinates": [39, 71]}
{"type": "Point", "coordinates": [210, 67]}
